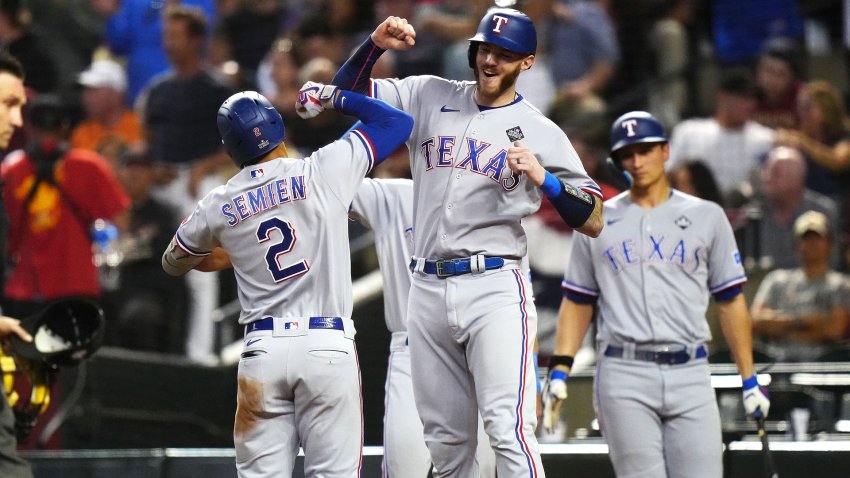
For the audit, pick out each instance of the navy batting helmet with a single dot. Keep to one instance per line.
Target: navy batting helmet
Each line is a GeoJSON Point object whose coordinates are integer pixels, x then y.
{"type": "Point", "coordinates": [505, 27]}
{"type": "Point", "coordinates": [636, 127]}
{"type": "Point", "coordinates": [249, 126]}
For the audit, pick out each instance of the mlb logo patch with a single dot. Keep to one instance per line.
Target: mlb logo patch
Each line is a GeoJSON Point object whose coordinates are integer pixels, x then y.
{"type": "Point", "coordinates": [515, 133]}
{"type": "Point", "coordinates": [291, 326]}
{"type": "Point", "coordinates": [257, 173]}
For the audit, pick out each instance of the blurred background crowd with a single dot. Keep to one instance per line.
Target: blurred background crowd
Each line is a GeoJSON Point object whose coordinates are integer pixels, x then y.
{"type": "Point", "coordinates": [120, 140]}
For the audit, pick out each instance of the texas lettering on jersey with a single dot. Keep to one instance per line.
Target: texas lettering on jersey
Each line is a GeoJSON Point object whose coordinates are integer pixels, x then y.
{"type": "Point", "coordinates": [264, 197]}
{"type": "Point", "coordinates": [481, 158]}
{"type": "Point", "coordinates": [625, 253]}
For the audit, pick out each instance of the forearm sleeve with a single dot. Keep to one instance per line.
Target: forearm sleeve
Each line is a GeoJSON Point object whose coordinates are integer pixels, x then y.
{"type": "Point", "coordinates": [386, 128]}
{"type": "Point", "coordinates": [354, 74]}
{"type": "Point", "coordinates": [573, 205]}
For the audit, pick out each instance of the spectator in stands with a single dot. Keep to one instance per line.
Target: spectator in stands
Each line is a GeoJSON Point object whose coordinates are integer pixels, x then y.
{"type": "Point", "coordinates": [148, 309]}
{"type": "Point", "coordinates": [730, 142]}
{"type": "Point", "coordinates": [18, 38]}
{"type": "Point", "coordinates": [798, 314]}
{"type": "Point", "coordinates": [783, 199]}
{"type": "Point", "coordinates": [693, 177]}
{"type": "Point", "coordinates": [741, 28]}
{"type": "Point", "coordinates": [583, 48]}
{"type": "Point", "coordinates": [134, 30]}
{"type": "Point", "coordinates": [177, 111]}
{"type": "Point", "coordinates": [53, 195]}
{"type": "Point", "coordinates": [779, 78]}
{"type": "Point", "coordinates": [670, 44]}
{"type": "Point", "coordinates": [824, 139]}
{"type": "Point", "coordinates": [109, 127]}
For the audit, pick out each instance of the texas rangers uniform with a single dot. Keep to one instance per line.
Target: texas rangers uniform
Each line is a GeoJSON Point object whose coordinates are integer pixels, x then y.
{"type": "Point", "coordinates": [474, 332]}
{"type": "Point", "coordinates": [651, 272]}
{"type": "Point", "coordinates": [386, 206]}
{"type": "Point", "coordinates": [284, 224]}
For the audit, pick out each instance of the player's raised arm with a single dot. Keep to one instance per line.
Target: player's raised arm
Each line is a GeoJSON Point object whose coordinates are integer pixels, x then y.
{"type": "Point", "coordinates": [385, 128]}
{"type": "Point", "coordinates": [393, 34]}
{"type": "Point", "coordinates": [580, 210]}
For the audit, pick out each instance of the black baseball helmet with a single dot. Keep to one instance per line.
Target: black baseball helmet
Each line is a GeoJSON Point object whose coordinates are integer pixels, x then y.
{"type": "Point", "coordinates": [65, 332]}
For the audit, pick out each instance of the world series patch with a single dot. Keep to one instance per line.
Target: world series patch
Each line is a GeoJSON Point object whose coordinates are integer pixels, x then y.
{"type": "Point", "coordinates": [578, 193]}
{"type": "Point", "coordinates": [515, 133]}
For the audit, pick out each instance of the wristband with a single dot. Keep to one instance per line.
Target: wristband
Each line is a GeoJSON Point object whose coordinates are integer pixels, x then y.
{"type": "Point", "coordinates": [565, 360]}
{"type": "Point", "coordinates": [551, 187]}
{"type": "Point", "coordinates": [750, 382]}
{"type": "Point", "coordinates": [558, 375]}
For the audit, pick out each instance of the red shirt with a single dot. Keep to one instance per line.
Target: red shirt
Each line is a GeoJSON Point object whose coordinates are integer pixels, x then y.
{"type": "Point", "coordinates": [49, 244]}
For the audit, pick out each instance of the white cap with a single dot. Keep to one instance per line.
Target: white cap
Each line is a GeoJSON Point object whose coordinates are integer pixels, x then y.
{"type": "Point", "coordinates": [812, 221]}
{"type": "Point", "coordinates": [105, 73]}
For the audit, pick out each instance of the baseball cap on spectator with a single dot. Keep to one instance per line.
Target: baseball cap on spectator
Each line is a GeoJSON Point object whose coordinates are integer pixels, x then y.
{"type": "Point", "coordinates": [811, 221]}
{"type": "Point", "coordinates": [104, 73]}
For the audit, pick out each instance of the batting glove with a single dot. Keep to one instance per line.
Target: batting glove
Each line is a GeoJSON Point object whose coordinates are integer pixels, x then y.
{"type": "Point", "coordinates": [756, 399]}
{"type": "Point", "coordinates": [313, 98]}
{"type": "Point", "coordinates": [555, 390]}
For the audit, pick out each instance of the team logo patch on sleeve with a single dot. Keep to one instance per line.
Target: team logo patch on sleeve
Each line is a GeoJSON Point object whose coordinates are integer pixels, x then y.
{"type": "Point", "coordinates": [574, 191]}
{"type": "Point", "coordinates": [515, 133]}
{"type": "Point", "coordinates": [683, 222]}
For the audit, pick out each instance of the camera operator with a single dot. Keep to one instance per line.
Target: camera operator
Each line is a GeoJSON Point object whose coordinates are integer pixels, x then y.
{"type": "Point", "coordinates": [53, 195]}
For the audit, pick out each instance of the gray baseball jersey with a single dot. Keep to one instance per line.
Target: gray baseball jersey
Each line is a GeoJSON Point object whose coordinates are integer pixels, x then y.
{"type": "Point", "coordinates": [677, 253]}
{"type": "Point", "coordinates": [466, 199]}
{"type": "Point", "coordinates": [386, 206]}
{"type": "Point", "coordinates": [280, 220]}
{"type": "Point", "coordinates": [652, 271]}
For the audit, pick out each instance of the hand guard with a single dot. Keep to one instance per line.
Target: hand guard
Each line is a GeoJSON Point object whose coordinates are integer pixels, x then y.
{"type": "Point", "coordinates": [756, 399]}
{"type": "Point", "coordinates": [554, 393]}
{"type": "Point", "coordinates": [313, 98]}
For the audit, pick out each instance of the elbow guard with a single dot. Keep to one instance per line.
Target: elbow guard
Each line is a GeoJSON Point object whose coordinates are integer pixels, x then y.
{"type": "Point", "coordinates": [573, 205]}
{"type": "Point", "coordinates": [176, 261]}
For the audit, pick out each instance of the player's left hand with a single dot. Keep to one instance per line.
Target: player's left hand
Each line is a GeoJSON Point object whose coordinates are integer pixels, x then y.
{"type": "Point", "coordinates": [522, 160]}
{"type": "Point", "coordinates": [756, 398]}
{"type": "Point", "coordinates": [313, 98]}
{"type": "Point", "coordinates": [554, 393]}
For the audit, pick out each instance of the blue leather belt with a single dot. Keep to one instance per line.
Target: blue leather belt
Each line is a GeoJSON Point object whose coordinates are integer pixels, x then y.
{"type": "Point", "coordinates": [267, 323]}
{"type": "Point", "coordinates": [660, 357]}
{"type": "Point", "coordinates": [456, 267]}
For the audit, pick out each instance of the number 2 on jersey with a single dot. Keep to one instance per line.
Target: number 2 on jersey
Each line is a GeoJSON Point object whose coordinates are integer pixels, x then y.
{"type": "Point", "coordinates": [278, 249]}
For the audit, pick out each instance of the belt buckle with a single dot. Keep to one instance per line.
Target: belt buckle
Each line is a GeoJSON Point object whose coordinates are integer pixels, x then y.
{"type": "Point", "coordinates": [440, 272]}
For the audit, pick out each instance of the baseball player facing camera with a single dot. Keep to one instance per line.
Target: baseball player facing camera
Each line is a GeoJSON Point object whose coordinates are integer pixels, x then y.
{"type": "Point", "coordinates": [482, 158]}
{"type": "Point", "coordinates": [282, 224]}
{"type": "Point", "coordinates": [650, 274]}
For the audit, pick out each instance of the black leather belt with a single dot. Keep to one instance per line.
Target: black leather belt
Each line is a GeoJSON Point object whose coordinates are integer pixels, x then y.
{"type": "Point", "coordinates": [267, 323]}
{"type": "Point", "coordinates": [456, 267]}
{"type": "Point", "coordinates": [659, 356]}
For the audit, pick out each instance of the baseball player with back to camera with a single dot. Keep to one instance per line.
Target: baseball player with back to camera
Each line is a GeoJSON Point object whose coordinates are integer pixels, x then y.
{"type": "Point", "coordinates": [650, 274]}
{"type": "Point", "coordinates": [482, 157]}
{"type": "Point", "coordinates": [282, 224]}
{"type": "Point", "coordinates": [386, 206]}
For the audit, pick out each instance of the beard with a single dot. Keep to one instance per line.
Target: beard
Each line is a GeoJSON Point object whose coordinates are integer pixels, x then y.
{"type": "Point", "coordinates": [507, 82]}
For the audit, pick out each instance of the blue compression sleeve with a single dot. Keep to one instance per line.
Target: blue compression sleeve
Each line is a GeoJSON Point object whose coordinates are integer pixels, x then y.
{"type": "Point", "coordinates": [354, 74]}
{"type": "Point", "coordinates": [573, 205]}
{"type": "Point", "coordinates": [385, 127]}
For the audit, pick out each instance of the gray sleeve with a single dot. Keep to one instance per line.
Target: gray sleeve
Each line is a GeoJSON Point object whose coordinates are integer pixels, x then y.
{"type": "Point", "coordinates": [725, 268]}
{"type": "Point", "coordinates": [364, 208]}
{"type": "Point", "coordinates": [580, 276]}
